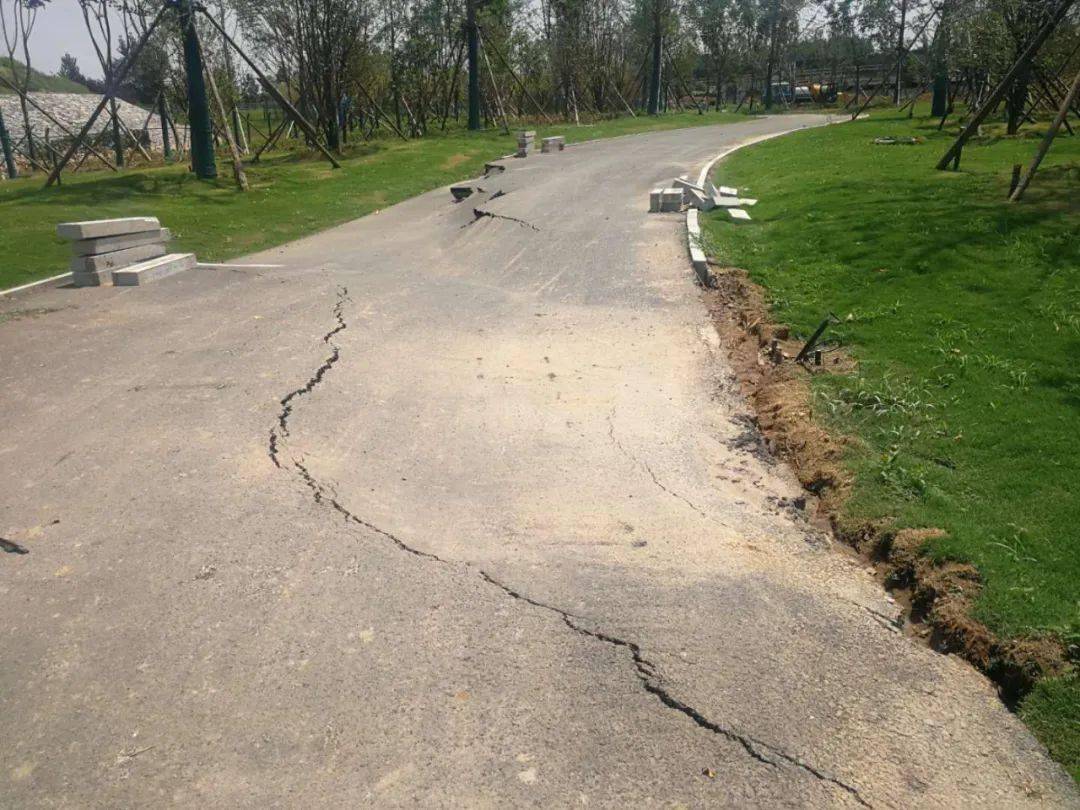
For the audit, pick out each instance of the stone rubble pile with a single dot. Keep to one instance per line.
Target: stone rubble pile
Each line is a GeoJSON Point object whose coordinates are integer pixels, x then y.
{"type": "Point", "coordinates": [704, 198]}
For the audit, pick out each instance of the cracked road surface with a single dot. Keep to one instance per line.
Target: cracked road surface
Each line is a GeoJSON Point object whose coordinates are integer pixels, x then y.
{"type": "Point", "coordinates": [448, 510]}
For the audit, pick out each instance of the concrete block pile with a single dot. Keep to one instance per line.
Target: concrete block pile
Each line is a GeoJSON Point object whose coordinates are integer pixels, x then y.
{"type": "Point", "coordinates": [683, 193]}
{"type": "Point", "coordinates": [555, 143]}
{"type": "Point", "coordinates": [122, 252]}
{"type": "Point", "coordinates": [526, 139]}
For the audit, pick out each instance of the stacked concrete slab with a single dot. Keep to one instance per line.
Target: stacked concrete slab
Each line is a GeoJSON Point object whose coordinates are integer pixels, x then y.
{"type": "Point", "coordinates": [555, 143]}
{"type": "Point", "coordinates": [121, 251]}
{"type": "Point", "coordinates": [526, 139]}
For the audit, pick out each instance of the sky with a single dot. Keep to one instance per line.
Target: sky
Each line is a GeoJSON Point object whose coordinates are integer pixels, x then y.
{"type": "Point", "coordinates": [60, 29]}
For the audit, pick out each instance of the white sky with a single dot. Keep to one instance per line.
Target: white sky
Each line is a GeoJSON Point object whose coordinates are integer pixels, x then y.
{"type": "Point", "coordinates": [59, 30]}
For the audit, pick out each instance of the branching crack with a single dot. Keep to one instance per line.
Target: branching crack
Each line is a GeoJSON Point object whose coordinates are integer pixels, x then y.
{"type": "Point", "coordinates": [647, 672]}
{"type": "Point", "coordinates": [645, 466]}
{"type": "Point", "coordinates": [282, 428]}
{"type": "Point", "coordinates": [479, 213]}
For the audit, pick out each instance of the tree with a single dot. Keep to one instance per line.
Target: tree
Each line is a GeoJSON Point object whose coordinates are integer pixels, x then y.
{"type": "Point", "coordinates": [69, 69]}
{"type": "Point", "coordinates": [17, 18]}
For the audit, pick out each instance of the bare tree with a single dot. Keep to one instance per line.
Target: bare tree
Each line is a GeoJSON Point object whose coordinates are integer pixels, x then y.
{"type": "Point", "coordinates": [17, 18]}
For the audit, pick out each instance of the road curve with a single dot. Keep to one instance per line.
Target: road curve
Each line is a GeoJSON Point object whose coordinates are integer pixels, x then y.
{"type": "Point", "coordinates": [457, 507]}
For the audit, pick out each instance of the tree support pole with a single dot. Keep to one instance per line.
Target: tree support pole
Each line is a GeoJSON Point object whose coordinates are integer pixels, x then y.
{"type": "Point", "coordinates": [62, 128]}
{"type": "Point", "coordinates": [380, 114]}
{"type": "Point", "coordinates": [1044, 147]}
{"type": "Point", "coordinates": [285, 104]}
{"type": "Point", "coordinates": [271, 140]}
{"type": "Point", "coordinates": [515, 77]}
{"type": "Point", "coordinates": [116, 80]}
{"type": "Point", "coordinates": [238, 165]}
{"type": "Point", "coordinates": [953, 152]}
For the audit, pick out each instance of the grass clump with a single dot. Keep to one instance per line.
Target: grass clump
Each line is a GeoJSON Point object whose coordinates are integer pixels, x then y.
{"type": "Point", "coordinates": [1052, 710]}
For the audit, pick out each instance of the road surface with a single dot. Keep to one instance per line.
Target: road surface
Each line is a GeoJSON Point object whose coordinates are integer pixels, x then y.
{"type": "Point", "coordinates": [448, 510]}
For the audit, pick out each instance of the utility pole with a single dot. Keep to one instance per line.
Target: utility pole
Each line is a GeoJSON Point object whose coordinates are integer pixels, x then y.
{"type": "Point", "coordinates": [5, 144]}
{"type": "Point", "coordinates": [657, 59]}
{"type": "Point", "coordinates": [472, 36]}
{"type": "Point", "coordinates": [202, 140]}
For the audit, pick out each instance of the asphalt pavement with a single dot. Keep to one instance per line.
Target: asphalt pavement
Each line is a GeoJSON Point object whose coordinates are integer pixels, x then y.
{"type": "Point", "coordinates": [457, 506]}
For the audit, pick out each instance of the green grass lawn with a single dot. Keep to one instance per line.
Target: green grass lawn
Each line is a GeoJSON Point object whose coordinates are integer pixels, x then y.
{"type": "Point", "coordinates": [292, 193]}
{"type": "Point", "coordinates": [964, 313]}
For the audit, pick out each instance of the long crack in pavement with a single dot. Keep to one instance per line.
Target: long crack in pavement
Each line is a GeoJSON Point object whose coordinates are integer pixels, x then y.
{"type": "Point", "coordinates": [313, 380]}
{"type": "Point", "coordinates": [647, 673]}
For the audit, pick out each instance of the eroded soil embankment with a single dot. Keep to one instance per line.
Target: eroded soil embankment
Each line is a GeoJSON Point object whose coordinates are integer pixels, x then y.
{"type": "Point", "coordinates": [940, 596]}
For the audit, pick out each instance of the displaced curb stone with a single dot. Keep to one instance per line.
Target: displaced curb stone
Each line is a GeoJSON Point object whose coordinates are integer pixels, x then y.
{"type": "Point", "coordinates": [152, 270]}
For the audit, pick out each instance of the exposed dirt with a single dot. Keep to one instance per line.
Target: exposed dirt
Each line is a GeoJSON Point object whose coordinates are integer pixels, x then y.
{"type": "Point", "coordinates": [940, 595]}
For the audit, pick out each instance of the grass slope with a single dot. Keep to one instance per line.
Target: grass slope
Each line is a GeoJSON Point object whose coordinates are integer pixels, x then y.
{"type": "Point", "coordinates": [39, 82]}
{"type": "Point", "coordinates": [292, 195]}
{"type": "Point", "coordinates": [964, 313]}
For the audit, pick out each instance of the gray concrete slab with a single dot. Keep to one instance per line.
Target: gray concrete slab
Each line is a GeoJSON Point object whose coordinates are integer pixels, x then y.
{"type": "Point", "coordinates": [116, 258]}
{"type": "Point", "coordinates": [99, 228]}
{"type": "Point", "coordinates": [153, 269]}
{"type": "Point", "coordinates": [508, 541]}
{"type": "Point", "coordinates": [108, 244]}
{"type": "Point", "coordinates": [91, 278]}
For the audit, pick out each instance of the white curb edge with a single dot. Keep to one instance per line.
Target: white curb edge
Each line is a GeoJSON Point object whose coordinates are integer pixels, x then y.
{"type": "Point", "coordinates": [693, 227]}
{"type": "Point", "coordinates": [51, 281]}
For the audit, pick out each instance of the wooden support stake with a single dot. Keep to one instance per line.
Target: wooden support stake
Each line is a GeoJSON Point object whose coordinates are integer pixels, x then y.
{"type": "Point", "coordinates": [271, 140]}
{"type": "Point", "coordinates": [63, 128]}
{"type": "Point", "coordinates": [521, 84]}
{"type": "Point", "coordinates": [1048, 139]}
{"type": "Point", "coordinates": [809, 346]}
{"type": "Point", "coordinates": [283, 102]}
{"type": "Point", "coordinates": [238, 165]}
{"type": "Point", "coordinates": [109, 90]}
{"type": "Point", "coordinates": [999, 92]}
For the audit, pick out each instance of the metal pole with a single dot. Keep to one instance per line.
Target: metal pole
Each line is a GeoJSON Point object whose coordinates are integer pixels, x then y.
{"type": "Point", "coordinates": [202, 136]}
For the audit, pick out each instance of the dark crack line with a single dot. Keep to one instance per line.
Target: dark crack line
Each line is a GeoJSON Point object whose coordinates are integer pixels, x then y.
{"type": "Point", "coordinates": [650, 679]}
{"type": "Point", "coordinates": [895, 624]}
{"type": "Point", "coordinates": [479, 213]}
{"type": "Point", "coordinates": [282, 429]}
{"type": "Point", "coordinates": [656, 480]}
{"type": "Point", "coordinates": [11, 547]}
{"type": "Point", "coordinates": [647, 672]}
